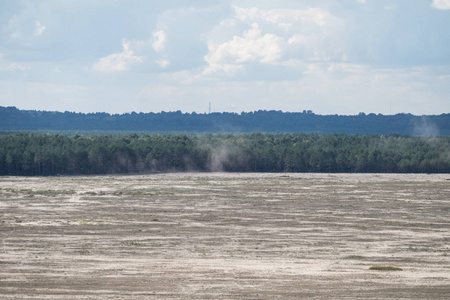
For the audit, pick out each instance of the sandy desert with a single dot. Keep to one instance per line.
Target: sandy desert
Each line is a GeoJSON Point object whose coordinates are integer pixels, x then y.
{"type": "Point", "coordinates": [225, 236]}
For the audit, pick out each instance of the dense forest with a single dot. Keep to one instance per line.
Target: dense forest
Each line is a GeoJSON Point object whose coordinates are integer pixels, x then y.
{"type": "Point", "coordinates": [13, 119]}
{"type": "Point", "coordinates": [45, 154]}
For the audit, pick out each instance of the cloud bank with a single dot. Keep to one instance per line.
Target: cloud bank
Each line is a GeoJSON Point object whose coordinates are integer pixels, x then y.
{"type": "Point", "coordinates": [332, 57]}
{"type": "Point", "coordinates": [441, 4]}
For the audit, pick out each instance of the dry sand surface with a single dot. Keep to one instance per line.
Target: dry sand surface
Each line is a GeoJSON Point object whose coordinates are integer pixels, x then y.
{"type": "Point", "coordinates": [225, 236]}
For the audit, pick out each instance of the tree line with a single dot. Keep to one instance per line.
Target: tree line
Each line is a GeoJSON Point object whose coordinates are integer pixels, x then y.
{"type": "Point", "coordinates": [12, 118]}
{"type": "Point", "coordinates": [32, 154]}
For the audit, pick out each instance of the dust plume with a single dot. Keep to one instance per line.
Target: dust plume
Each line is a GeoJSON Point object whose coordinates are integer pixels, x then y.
{"type": "Point", "coordinates": [425, 128]}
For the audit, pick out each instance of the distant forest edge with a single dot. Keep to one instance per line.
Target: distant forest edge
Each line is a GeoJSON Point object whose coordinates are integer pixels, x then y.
{"type": "Point", "coordinates": [45, 154]}
{"type": "Point", "coordinates": [13, 119]}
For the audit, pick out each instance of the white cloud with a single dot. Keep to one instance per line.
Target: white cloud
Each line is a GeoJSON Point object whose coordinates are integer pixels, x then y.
{"type": "Point", "coordinates": [277, 37]}
{"type": "Point", "coordinates": [12, 66]}
{"type": "Point", "coordinates": [18, 66]}
{"type": "Point", "coordinates": [361, 1]}
{"type": "Point", "coordinates": [159, 45]}
{"type": "Point", "coordinates": [39, 29]}
{"type": "Point", "coordinates": [22, 30]}
{"type": "Point", "coordinates": [118, 61]}
{"type": "Point", "coordinates": [252, 46]}
{"type": "Point", "coordinates": [441, 4]}
{"type": "Point", "coordinates": [284, 18]}
{"type": "Point", "coordinates": [163, 63]}
{"type": "Point", "coordinates": [159, 41]}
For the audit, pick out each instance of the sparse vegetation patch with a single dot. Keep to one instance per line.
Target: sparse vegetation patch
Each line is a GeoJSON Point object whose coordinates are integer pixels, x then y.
{"type": "Point", "coordinates": [385, 268]}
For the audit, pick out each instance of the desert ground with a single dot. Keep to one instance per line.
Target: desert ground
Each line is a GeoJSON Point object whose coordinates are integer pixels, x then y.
{"type": "Point", "coordinates": [225, 236]}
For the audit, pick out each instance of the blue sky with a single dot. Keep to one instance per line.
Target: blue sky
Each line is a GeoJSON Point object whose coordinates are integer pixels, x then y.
{"type": "Point", "coordinates": [332, 57]}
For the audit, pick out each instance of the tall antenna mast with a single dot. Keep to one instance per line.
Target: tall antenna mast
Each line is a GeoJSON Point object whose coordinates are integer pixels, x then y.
{"type": "Point", "coordinates": [209, 107]}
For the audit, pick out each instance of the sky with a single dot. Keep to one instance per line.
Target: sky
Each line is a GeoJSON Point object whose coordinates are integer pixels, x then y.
{"type": "Point", "coordinates": [329, 56]}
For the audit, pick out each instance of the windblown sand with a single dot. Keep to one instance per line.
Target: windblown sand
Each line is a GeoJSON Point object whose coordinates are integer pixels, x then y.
{"type": "Point", "coordinates": [225, 236]}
